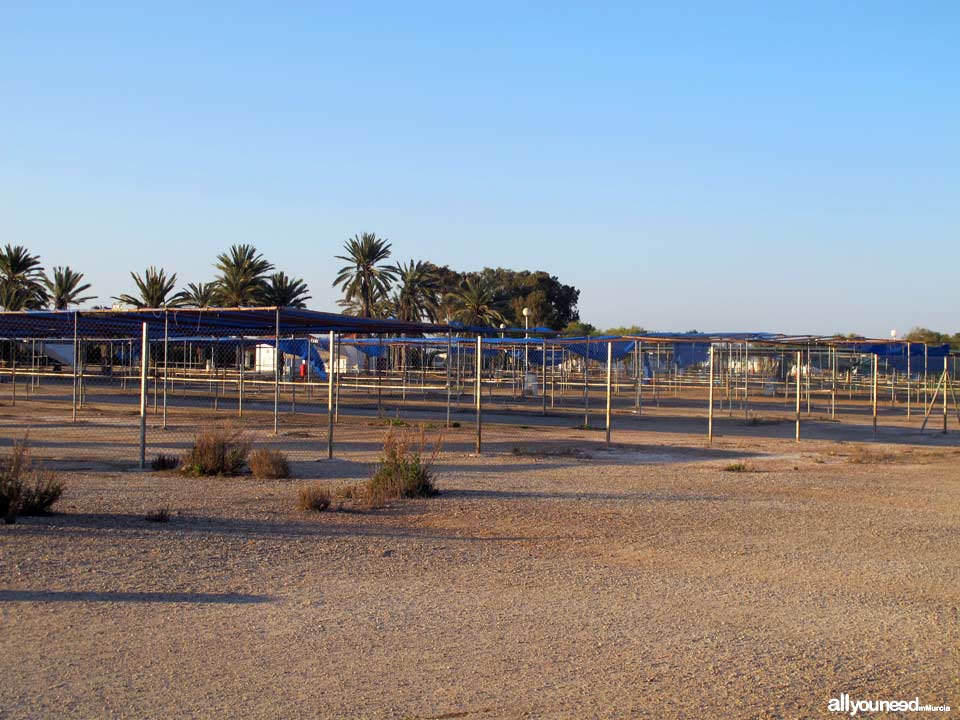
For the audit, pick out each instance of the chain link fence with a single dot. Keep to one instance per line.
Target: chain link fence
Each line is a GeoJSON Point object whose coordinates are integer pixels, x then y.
{"type": "Point", "coordinates": [92, 390]}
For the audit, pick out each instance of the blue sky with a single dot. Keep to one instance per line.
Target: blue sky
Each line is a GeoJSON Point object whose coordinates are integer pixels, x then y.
{"type": "Point", "coordinates": [718, 166]}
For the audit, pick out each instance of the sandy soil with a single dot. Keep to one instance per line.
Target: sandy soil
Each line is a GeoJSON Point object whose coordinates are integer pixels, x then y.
{"type": "Point", "coordinates": [563, 580]}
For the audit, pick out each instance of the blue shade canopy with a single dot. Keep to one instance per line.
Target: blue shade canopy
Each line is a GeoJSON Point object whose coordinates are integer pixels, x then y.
{"type": "Point", "coordinates": [194, 322]}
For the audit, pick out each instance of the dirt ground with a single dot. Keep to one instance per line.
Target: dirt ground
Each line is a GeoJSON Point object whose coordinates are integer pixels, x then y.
{"type": "Point", "coordinates": [661, 578]}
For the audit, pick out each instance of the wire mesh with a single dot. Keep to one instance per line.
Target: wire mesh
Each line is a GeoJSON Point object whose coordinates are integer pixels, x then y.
{"type": "Point", "coordinates": [82, 390]}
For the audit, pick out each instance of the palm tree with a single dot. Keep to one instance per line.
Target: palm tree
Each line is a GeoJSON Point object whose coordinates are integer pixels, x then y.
{"type": "Point", "coordinates": [242, 280]}
{"type": "Point", "coordinates": [200, 295]}
{"type": "Point", "coordinates": [417, 298]}
{"type": "Point", "coordinates": [21, 279]}
{"type": "Point", "coordinates": [153, 290]}
{"type": "Point", "coordinates": [65, 288]}
{"type": "Point", "coordinates": [476, 303]}
{"type": "Point", "coordinates": [366, 280]}
{"type": "Point", "coordinates": [285, 291]}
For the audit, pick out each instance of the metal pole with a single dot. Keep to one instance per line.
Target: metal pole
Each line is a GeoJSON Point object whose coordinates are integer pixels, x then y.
{"type": "Point", "coordinates": [336, 388]}
{"type": "Point", "coordinates": [710, 400]}
{"type": "Point", "coordinates": [586, 386]}
{"type": "Point", "coordinates": [876, 369]}
{"type": "Point", "coordinates": [746, 381]}
{"type": "Point", "coordinates": [276, 375]}
{"type": "Point", "coordinates": [243, 361]}
{"type": "Point", "coordinates": [609, 382]}
{"type": "Point", "coordinates": [13, 378]}
{"type": "Point", "coordinates": [833, 384]}
{"type": "Point", "coordinates": [447, 364]}
{"type": "Point", "coordinates": [76, 359]}
{"type": "Point", "coordinates": [543, 385]}
{"type": "Point", "coordinates": [908, 381]}
{"type": "Point", "coordinates": [380, 362]}
{"type": "Point", "coordinates": [799, 373]}
{"type": "Point", "coordinates": [144, 362]}
{"type": "Point", "coordinates": [479, 404]}
{"type": "Point", "coordinates": [166, 338]}
{"type": "Point", "coordinates": [330, 372]}
{"type": "Point", "coordinates": [946, 384]}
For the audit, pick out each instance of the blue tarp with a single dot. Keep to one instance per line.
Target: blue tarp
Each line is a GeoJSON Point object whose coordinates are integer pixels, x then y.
{"type": "Point", "coordinates": [687, 354]}
{"type": "Point", "coordinates": [305, 351]}
{"type": "Point", "coordinates": [895, 355]}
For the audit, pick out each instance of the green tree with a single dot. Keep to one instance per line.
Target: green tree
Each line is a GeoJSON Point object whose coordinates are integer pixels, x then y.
{"type": "Point", "coordinates": [154, 290]}
{"type": "Point", "coordinates": [21, 280]}
{"type": "Point", "coordinates": [66, 288]}
{"type": "Point", "coordinates": [366, 279]}
{"type": "Point", "coordinates": [626, 331]}
{"type": "Point", "coordinates": [284, 291]}
{"type": "Point", "coordinates": [200, 295]}
{"type": "Point", "coordinates": [549, 301]}
{"type": "Point", "coordinates": [579, 329]}
{"type": "Point", "coordinates": [476, 303]}
{"type": "Point", "coordinates": [417, 298]}
{"type": "Point", "coordinates": [242, 280]}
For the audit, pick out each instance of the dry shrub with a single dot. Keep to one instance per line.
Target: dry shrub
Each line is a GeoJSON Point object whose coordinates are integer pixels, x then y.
{"type": "Point", "coordinates": [25, 487]}
{"type": "Point", "coordinates": [348, 492]}
{"type": "Point", "coordinates": [164, 462]}
{"type": "Point", "coordinates": [267, 463]}
{"type": "Point", "coordinates": [403, 471]}
{"type": "Point", "coordinates": [314, 498]}
{"type": "Point", "coordinates": [736, 467]}
{"type": "Point", "coordinates": [216, 450]}
{"type": "Point", "coordinates": [870, 456]}
{"type": "Point", "coordinates": [160, 515]}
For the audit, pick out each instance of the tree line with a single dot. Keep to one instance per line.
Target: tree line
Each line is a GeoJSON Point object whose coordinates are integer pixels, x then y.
{"type": "Point", "coordinates": [244, 278]}
{"type": "Point", "coordinates": [372, 286]}
{"type": "Point", "coordinates": [418, 290]}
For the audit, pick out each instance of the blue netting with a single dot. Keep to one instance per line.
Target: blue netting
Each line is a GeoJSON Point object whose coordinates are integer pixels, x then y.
{"type": "Point", "coordinates": [687, 354]}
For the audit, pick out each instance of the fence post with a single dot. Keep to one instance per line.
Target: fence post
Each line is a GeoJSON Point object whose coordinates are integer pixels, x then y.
{"type": "Point", "coordinates": [330, 372]}
{"type": "Point", "coordinates": [710, 400]}
{"type": "Point", "coordinates": [876, 369]}
{"type": "Point", "coordinates": [166, 338]}
{"type": "Point", "coordinates": [447, 364]}
{"type": "Point", "coordinates": [76, 360]}
{"type": "Point", "coordinates": [543, 385]}
{"type": "Point", "coordinates": [799, 373]}
{"type": "Point", "coordinates": [144, 362]}
{"type": "Point", "coordinates": [479, 395]}
{"type": "Point", "coordinates": [276, 375]}
{"type": "Point", "coordinates": [946, 384]}
{"type": "Point", "coordinates": [609, 383]}
{"type": "Point", "coordinates": [586, 387]}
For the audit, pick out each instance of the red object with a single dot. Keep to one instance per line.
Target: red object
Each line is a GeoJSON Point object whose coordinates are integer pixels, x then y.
{"type": "Point", "coordinates": [303, 368]}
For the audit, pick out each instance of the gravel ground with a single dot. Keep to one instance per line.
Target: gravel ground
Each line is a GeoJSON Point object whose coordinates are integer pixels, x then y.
{"type": "Point", "coordinates": [643, 581]}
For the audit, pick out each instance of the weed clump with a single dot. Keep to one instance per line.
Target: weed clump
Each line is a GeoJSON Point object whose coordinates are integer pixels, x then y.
{"type": "Point", "coordinates": [267, 463]}
{"type": "Point", "coordinates": [160, 515]}
{"type": "Point", "coordinates": [164, 462]}
{"type": "Point", "coordinates": [25, 487]}
{"type": "Point", "coordinates": [313, 498]}
{"type": "Point", "coordinates": [736, 467]}
{"type": "Point", "coordinates": [216, 451]}
{"type": "Point", "coordinates": [403, 470]}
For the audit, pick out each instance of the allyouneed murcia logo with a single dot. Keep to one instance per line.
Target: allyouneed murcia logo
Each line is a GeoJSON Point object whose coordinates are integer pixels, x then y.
{"type": "Point", "coordinates": [845, 704]}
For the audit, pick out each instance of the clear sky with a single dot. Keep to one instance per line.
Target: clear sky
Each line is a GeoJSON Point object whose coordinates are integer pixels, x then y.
{"type": "Point", "coordinates": [720, 166]}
